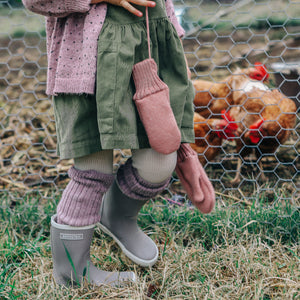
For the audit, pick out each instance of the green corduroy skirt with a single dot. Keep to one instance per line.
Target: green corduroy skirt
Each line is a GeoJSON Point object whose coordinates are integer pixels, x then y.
{"type": "Point", "coordinates": [109, 120]}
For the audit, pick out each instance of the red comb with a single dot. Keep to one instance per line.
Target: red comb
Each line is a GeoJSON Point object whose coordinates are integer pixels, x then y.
{"type": "Point", "coordinates": [231, 127]}
{"type": "Point", "coordinates": [255, 136]}
{"type": "Point", "coordinates": [226, 116]}
{"type": "Point", "coordinates": [262, 69]}
{"type": "Point", "coordinates": [256, 125]}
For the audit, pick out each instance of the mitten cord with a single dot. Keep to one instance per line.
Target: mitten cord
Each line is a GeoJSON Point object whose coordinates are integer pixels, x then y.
{"type": "Point", "coordinates": [148, 32]}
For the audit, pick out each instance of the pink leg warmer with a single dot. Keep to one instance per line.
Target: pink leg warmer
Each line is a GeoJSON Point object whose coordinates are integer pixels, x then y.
{"type": "Point", "coordinates": [81, 199]}
{"type": "Point", "coordinates": [134, 186]}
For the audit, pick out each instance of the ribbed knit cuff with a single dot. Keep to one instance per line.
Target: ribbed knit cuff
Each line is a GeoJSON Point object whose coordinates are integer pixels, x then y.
{"type": "Point", "coordinates": [185, 151]}
{"type": "Point", "coordinates": [134, 186]}
{"type": "Point", "coordinates": [92, 177]}
{"type": "Point", "coordinates": [146, 79]}
{"type": "Point", "coordinates": [81, 199]}
{"type": "Point", "coordinates": [79, 6]}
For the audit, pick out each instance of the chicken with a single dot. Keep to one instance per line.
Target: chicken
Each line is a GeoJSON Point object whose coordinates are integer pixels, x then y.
{"type": "Point", "coordinates": [211, 98]}
{"type": "Point", "coordinates": [265, 119]}
{"type": "Point", "coordinates": [209, 135]}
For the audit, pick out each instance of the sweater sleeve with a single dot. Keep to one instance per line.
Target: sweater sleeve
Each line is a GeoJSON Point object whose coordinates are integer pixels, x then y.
{"type": "Point", "coordinates": [57, 8]}
{"type": "Point", "coordinates": [171, 15]}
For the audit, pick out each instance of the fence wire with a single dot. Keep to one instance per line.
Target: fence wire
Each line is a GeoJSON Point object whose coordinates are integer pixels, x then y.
{"type": "Point", "coordinates": [221, 37]}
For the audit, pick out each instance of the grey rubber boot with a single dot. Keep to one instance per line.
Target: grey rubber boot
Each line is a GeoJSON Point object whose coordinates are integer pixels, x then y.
{"type": "Point", "coordinates": [71, 258]}
{"type": "Point", "coordinates": [119, 220]}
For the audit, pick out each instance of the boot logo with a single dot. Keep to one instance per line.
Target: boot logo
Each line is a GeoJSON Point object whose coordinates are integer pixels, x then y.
{"type": "Point", "coordinates": [70, 236]}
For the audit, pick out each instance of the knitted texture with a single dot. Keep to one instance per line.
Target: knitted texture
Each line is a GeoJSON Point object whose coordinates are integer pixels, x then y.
{"type": "Point", "coordinates": [146, 79]}
{"type": "Point", "coordinates": [81, 199]}
{"type": "Point", "coordinates": [134, 186]}
{"type": "Point", "coordinates": [52, 8]}
{"type": "Point", "coordinates": [153, 104]}
{"type": "Point", "coordinates": [73, 28]}
{"type": "Point", "coordinates": [194, 179]}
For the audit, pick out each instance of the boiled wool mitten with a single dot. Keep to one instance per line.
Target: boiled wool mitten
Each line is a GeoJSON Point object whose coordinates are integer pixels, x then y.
{"type": "Point", "coordinates": [194, 179]}
{"type": "Point", "coordinates": [153, 104]}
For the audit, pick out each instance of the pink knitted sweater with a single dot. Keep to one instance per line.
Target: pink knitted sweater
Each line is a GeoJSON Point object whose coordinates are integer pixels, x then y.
{"type": "Point", "coordinates": [72, 29]}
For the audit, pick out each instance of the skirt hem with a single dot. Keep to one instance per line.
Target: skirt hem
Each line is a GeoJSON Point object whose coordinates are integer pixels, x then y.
{"type": "Point", "coordinates": [108, 142]}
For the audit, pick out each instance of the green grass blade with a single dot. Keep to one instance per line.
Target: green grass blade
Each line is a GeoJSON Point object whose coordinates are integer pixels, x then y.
{"type": "Point", "coordinates": [72, 264]}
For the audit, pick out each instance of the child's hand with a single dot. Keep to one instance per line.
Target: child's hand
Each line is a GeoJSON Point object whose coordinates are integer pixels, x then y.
{"type": "Point", "coordinates": [126, 4]}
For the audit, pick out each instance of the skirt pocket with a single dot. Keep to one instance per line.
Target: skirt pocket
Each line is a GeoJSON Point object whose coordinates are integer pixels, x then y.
{"type": "Point", "coordinates": [106, 84]}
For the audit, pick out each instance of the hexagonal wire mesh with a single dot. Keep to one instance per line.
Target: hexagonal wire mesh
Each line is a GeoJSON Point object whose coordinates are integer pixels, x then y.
{"type": "Point", "coordinates": [223, 38]}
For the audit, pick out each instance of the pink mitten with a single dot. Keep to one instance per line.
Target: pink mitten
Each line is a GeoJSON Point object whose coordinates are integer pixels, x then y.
{"type": "Point", "coordinates": [153, 104]}
{"type": "Point", "coordinates": [194, 179]}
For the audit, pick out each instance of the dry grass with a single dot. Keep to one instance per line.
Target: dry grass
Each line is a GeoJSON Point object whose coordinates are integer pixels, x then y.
{"type": "Point", "coordinates": [251, 271]}
{"type": "Point", "coordinates": [248, 248]}
{"type": "Point", "coordinates": [233, 253]}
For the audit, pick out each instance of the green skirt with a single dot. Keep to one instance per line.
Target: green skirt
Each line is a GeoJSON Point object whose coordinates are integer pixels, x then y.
{"type": "Point", "coordinates": [109, 119]}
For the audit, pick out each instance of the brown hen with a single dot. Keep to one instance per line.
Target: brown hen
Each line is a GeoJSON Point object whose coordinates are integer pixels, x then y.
{"type": "Point", "coordinates": [211, 98]}
{"type": "Point", "coordinates": [209, 135]}
{"type": "Point", "coordinates": [265, 119]}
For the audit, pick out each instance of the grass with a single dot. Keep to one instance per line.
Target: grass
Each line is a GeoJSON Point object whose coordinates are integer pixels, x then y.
{"type": "Point", "coordinates": [234, 252]}
{"type": "Point", "coordinates": [239, 251]}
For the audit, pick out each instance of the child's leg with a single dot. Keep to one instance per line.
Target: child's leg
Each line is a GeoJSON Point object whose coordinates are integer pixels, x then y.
{"type": "Point", "coordinates": [99, 161]}
{"type": "Point", "coordinates": [90, 179]}
{"type": "Point", "coordinates": [152, 166]}
{"type": "Point", "coordinates": [73, 226]}
{"type": "Point", "coordinates": [141, 178]}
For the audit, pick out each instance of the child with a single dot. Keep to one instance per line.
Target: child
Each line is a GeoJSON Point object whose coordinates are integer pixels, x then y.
{"type": "Point", "coordinates": [92, 48]}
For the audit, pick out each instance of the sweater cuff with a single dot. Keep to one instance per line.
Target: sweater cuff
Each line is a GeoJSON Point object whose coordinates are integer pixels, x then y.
{"type": "Point", "coordinates": [179, 29]}
{"type": "Point", "coordinates": [172, 16]}
{"type": "Point", "coordinates": [80, 6]}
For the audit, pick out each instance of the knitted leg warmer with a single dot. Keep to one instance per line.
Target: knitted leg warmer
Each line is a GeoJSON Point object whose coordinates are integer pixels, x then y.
{"type": "Point", "coordinates": [81, 199]}
{"type": "Point", "coordinates": [134, 186]}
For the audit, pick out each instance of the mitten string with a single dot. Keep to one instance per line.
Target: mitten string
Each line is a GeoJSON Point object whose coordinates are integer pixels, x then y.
{"type": "Point", "coordinates": [148, 32]}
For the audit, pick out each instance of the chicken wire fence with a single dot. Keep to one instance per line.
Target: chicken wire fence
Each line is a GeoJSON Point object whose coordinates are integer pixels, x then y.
{"type": "Point", "coordinates": [221, 36]}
